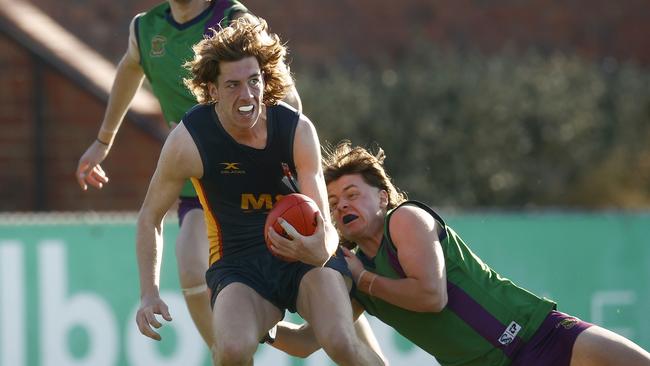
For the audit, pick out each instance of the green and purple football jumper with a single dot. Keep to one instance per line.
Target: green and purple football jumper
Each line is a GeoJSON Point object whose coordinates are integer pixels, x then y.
{"type": "Point", "coordinates": [487, 318]}
{"type": "Point", "coordinates": [165, 46]}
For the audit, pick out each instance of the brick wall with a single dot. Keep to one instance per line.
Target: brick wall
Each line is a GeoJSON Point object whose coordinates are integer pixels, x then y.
{"type": "Point", "coordinates": [358, 30]}
{"type": "Point", "coordinates": [16, 153]}
{"type": "Point", "coordinates": [319, 32]}
{"type": "Point", "coordinates": [71, 118]}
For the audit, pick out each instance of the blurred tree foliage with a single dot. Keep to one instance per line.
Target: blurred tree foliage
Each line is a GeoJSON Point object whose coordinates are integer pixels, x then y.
{"type": "Point", "coordinates": [509, 130]}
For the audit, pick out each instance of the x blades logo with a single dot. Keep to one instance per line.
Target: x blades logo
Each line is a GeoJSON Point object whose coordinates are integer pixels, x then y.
{"type": "Point", "coordinates": [231, 168]}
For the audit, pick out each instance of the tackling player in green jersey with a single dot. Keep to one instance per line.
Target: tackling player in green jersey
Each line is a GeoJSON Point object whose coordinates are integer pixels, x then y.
{"type": "Point", "coordinates": [415, 273]}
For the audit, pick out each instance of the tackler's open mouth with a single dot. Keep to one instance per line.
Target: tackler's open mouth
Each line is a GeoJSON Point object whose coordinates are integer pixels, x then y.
{"type": "Point", "coordinates": [349, 218]}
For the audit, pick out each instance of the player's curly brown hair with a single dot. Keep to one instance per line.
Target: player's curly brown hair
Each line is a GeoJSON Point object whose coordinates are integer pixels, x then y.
{"type": "Point", "coordinates": [241, 39]}
{"type": "Point", "coordinates": [345, 159]}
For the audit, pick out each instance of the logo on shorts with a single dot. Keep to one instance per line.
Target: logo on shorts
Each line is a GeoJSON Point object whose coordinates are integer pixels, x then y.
{"type": "Point", "coordinates": [567, 323]}
{"type": "Point", "coordinates": [231, 168]}
{"type": "Point", "coordinates": [509, 334]}
{"type": "Point", "coordinates": [158, 46]}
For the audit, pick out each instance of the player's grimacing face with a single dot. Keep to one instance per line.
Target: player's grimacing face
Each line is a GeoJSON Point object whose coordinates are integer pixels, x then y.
{"type": "Point", "coordinates": [239, 92]}
{"type": "Point", "coordinates": [356, 207]}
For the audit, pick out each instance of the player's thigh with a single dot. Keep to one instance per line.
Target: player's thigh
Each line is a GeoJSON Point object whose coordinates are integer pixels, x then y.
{"type": "Point", "coordinates": [323, 299]}
{"type": "Point", "coordinates": [192, 247]}
{"type": "Point", "coordinates": [597, 346]}
{"type": "Point", "coordinates": [240, 313]}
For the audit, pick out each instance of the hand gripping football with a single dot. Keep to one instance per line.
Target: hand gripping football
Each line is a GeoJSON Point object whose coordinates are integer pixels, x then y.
{"type": "Point", "coordinates": [298, 210]}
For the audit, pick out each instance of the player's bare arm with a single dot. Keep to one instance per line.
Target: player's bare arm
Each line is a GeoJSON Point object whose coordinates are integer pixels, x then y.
{"type": "Point", "coordinates": [364, 331]}
{"type": "Point", "coordinates": [127, 81]}
{"type": "Point", "coordinates": [307, 155]}
{"type": "Point", "coordinates": [415, 235]}
{"type": "Point", "coordinates": [179, 160]}
{"type": "Point", "coordinates": [298, 340]}
{"type": "Point", "coordinates": [317, 248]}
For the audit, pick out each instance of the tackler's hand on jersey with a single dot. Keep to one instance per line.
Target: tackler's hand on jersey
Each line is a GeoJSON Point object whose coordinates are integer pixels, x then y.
{"type": "Point", "coordinates": [354, 264]}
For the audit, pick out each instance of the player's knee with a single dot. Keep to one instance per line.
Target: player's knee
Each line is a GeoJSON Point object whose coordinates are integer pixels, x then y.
{"type": "Point", "coordinates": [232, 352]}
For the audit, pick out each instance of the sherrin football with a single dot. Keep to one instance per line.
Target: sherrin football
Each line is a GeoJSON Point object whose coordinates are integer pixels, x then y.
{"type": "Point", "coordinates": [298, 210]}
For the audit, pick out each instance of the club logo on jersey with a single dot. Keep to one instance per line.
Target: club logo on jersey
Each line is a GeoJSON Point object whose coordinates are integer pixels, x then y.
{"type": "Point", "coordinates": [567, 323]}
{"type": "Point", "coordinates": [263, 201]}
{"type": "Point", "coordinates": [510, 333]}
{"type": "Point", "coordinates": [158, 46]}
{"type": "Point", "coordinates": [288, 179]}
{"type": "Point", "coordinates": [231, 168]}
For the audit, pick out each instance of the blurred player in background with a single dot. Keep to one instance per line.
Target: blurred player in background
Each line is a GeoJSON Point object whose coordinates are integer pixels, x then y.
{"type": "Point", "coordinates": [237, 146]}
{"type": "Point", "coordinates": [160, 41]}
{"type": "Point", "coordinates": [416, 274]}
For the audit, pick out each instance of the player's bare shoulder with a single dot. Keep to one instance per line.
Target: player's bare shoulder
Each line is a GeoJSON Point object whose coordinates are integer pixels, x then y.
{"type": "Point", "coordinates": [132, 55]}
{"type": "Point", "coordinates": [305, 128]}
{"type": "Point", "coordinates": [181, 154]}
{"type": "Point", "coordinates": [409, 219]}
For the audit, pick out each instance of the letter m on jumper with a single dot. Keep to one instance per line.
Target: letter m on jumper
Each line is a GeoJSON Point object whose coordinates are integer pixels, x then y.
{"type": "Point", "coordinates": [264, 201]}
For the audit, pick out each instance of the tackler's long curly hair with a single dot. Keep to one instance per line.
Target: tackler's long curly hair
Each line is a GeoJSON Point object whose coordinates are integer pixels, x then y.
{"type": "Point", "coordinates": [241, 39]}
